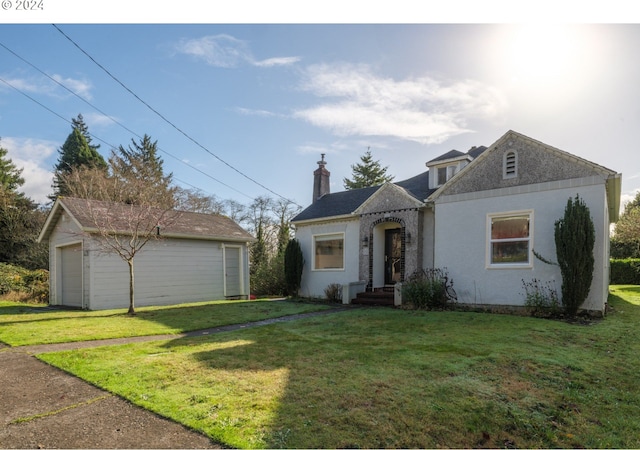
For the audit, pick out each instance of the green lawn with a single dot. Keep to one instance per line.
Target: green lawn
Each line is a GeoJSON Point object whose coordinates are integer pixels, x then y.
{"type": "Point", "coordinates": [392, 378]}
{"type": "Point", "coordinates": [22, 324]}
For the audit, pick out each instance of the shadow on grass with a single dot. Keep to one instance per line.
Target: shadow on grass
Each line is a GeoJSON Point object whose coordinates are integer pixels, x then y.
{"type": "Point", "coordinates": [331, 382]}
{"type": "Point", "coordinates": [347, 383]}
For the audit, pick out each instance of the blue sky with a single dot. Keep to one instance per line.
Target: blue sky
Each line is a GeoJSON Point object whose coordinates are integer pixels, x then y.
{"type": "Point", "coordinates": [262, 101]}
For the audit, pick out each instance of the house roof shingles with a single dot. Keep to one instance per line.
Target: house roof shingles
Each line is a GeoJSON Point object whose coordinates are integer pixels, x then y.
{"type": "Point", "coordinates": [118, 217]}
{"type": "Point", "coordinates": [346, 202]}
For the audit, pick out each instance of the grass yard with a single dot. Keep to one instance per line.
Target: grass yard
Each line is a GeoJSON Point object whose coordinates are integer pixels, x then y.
{"type": "Point", "coordinates": [391, 378]}
{"type": "Point", "coordinates": [22, 324]}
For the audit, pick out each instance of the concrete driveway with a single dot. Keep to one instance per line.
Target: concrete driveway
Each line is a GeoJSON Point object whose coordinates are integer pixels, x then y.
{"type": "Point", "coordinates": [44, 407]}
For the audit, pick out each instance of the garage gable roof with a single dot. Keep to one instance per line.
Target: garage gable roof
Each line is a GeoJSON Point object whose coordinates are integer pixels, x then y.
{"type": "Point", "coordinates": [89, 215]}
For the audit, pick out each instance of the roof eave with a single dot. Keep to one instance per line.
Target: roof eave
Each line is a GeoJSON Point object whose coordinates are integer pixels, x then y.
{"type": "Point", "coordinates": [614, 189]}
{"type": "Point", "coordinates": [323, 219]}
{"type": "Point", "coordinates": [436, 162]}
{"type": "Point", "coordinates": [197, 237]}
{"type": "Point", "coordinates": [52, 219]}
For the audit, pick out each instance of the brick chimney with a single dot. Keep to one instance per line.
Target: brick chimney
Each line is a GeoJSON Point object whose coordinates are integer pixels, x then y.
{"type": "Point", "coordinates": [320, 180]}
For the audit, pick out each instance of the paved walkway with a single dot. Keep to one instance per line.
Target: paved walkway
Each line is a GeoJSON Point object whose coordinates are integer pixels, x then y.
{"type": "Point", "coordinates": [44, 407]}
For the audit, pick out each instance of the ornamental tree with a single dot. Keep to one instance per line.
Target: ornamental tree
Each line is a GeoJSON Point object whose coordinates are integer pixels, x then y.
{"type": "Point", "coordinates": [293, 264]}
{"type": "Point", "coordinates": [575, 240]}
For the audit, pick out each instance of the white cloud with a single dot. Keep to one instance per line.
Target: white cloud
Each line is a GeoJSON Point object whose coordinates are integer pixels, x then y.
{"type": "Point", "coordinates": [255, 112]}
{"type": "Point", "coordinates": [32, 156]}
{"type": "Point", "coordinates": [227, 52]}
{"type": "Point", "coordinates": [627, 197]}
{"type": "Point", "coordinates": [282, 61]}
{"type": "Point", "coordinates": [421, 109]}
{"type": "Point", "coordinates": [45, 86]}
{"type": "Point", "coordinates": [94, 119]}
{"type": "Point", "coordinates": [79, 87]}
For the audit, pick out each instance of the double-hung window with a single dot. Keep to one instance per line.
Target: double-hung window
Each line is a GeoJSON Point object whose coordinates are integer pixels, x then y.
{"type": "Point", "coordinates": [510, 239]}
{"type": "Point", "coordinates": [328, 251]}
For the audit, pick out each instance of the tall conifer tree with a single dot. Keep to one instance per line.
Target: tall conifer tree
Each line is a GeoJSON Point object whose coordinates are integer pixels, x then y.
{"type": "Point", "coordinates": [140, 164]}
{"type": "Point", "coordinates": [575, 240]}
{"type": "Point", "coordinates": [74, 153]}
{"type": "Point", "coordinates": [367, 173]}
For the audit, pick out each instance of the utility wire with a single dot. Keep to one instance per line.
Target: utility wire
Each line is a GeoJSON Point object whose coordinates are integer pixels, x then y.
{"type": "Point", "coordinates": [167, 120]}
{"type": "Point", "coordinates": [105, 115]}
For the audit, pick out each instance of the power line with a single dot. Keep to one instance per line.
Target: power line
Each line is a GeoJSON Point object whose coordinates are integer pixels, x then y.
{"type": "Point", "coordinates": [167, 120]}
{"type": "Point", "coordinates": [105, 115]}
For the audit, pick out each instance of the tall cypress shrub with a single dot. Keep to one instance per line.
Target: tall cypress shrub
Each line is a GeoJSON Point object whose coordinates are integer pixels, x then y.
{"type": "Point", "coordinates": [293, 263]}
{"type": "Point", "coordinates": [575, 239]}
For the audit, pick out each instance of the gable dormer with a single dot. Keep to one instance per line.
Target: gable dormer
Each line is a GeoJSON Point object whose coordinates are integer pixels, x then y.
{"type": "Point", "coordinates": [444, 167]}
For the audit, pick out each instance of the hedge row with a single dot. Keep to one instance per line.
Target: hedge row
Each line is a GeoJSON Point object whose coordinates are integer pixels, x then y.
{"type": "Point", "coordinates": [625, 271]}
{"type": "Point", "coordinates": [28, 284]}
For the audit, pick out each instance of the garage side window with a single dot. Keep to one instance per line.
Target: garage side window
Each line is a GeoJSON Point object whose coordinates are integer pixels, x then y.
{"type": "Point", "coordinates": [328, 251]}
{"type": "Point", "coordinates": [510, 240]}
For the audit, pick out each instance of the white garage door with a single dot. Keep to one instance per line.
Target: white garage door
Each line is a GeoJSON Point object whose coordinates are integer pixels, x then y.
{"type": "Point", "coordinates": [72, 275]}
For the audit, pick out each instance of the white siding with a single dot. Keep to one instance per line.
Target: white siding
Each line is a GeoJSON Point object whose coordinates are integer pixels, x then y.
{"type": "Point", "coordinates": [315, 281]}
{"type": "Point", "coordinates": [65, 233]}
{"type": "Point", "coordinates": [168, 271]}
{"type": "Point", "coordinates": [461, 243]}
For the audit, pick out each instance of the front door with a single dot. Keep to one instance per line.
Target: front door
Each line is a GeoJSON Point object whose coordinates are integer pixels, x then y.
{"type": "Point", "coordinates": [232, 277]}
{"type": "Point", "coordinates": [392, 256]}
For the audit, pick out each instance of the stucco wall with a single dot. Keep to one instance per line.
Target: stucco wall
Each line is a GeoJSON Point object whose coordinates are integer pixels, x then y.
{"type": "Point", "coordinates": [461, 240]}
{"type": "Point", "coordinates": [315, 281]}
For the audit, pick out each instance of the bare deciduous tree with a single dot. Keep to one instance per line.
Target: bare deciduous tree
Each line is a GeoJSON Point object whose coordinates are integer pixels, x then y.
{"type": "Point", "coordinates": [196, 201]}
{"type": "Point", "coordinates": [117, 227]}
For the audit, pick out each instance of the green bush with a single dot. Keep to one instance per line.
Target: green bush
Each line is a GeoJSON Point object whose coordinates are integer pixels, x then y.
{"type": "Point", "coordinates": [427, 289]}
{"type": "Point", "coordinates": [625, 271]}
{"type": "Point", "coordinates": [32, 285]}
{"type": "Point", "coordinates": [268, 278]}
{"type": "Point", "coordinates": [541, 299]}
{"type": "Point", "coordinates": [624, 250]}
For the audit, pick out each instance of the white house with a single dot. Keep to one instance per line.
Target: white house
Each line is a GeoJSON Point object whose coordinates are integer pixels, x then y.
{"type": "Point", "coordinates": [194, 257]}
{"type": "Point", "coordinates": [371, 238]}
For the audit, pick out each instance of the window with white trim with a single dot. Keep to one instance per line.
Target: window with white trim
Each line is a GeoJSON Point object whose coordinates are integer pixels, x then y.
{"type": "Point", "coordinates": [509, 240]}
{"type": "Point", "coordinates": [328, 251]}
{"type": "Point", "coordinates": [510, 165]}
{"type": "Point", "coordinates": [445, 174]}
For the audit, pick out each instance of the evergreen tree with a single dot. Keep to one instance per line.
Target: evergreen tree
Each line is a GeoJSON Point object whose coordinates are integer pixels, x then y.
{"type": "Point", "coordinates": [20, 220]}
{"type": "Point", "coordinates": [575, 239]}
{"type": "Point", "coordinates": [293, 264]}
{"type": "Point", "coordinates": [10, 178]}
{"type": "Point", "coordinates": [74, 153]}
{"type": "Point", "coordinates": [367, 173]}
{"type": "Point", "coordinates": [139, 167]}
{"type": "Point", "coordinates": [78, 124]}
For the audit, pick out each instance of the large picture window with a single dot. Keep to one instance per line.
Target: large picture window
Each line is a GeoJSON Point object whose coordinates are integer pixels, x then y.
{"type": "Point", "coordinates": [328, 251]}
{"type": "Point", "coordinates": [510, 239]}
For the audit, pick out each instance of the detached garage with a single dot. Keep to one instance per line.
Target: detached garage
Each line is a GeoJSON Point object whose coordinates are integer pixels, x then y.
{"type": "Point", "coordinates": [193, 257]}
